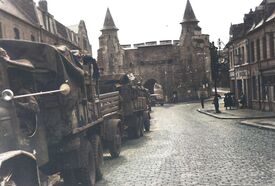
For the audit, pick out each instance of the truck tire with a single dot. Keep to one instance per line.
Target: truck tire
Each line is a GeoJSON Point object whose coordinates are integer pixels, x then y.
{"type": "Point", "coordinates": [146, 121]}
{"type": "Point", "coordinates": [141, 125]}
{"type": "Point", "coordinates": [68, 177]}
{"type": "Point", "coordinates": [115, 144]}
{"type": "Point", "coordinates": [98, 155]}
{"type": "Point", "coordinates": [134, 128]}
{"type": "Point", "coordinates": [86, 175]}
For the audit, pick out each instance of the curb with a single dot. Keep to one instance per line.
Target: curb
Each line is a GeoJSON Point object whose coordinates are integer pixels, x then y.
{"type": "Point", "coordinates": [257, 125]}
{"type": "Point", "coordinates": [220, 117]}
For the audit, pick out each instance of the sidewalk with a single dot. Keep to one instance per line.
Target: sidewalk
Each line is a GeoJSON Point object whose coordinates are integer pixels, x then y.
{"type": "Point", "coordinates": [250, 117]}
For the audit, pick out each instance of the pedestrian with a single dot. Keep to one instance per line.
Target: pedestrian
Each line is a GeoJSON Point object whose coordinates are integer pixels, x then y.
{"type": "Point", "coordinates": [243, 100]}
{"type": "Point", "coordinates": [226, 100]}
{"type": "Point", "coordinates": [202, 97]}
{"type": "Point", "coordinates": [175, 97]}
{"type": "Point", "coordinates": [26, 107]}
{"type": "Point", "coordinates": [216, 103]}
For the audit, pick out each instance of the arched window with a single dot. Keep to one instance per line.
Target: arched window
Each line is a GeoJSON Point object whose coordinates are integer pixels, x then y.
{"type": "Point", "coordinates": [16, 33]}
{"type": "Point", "coordinates": [32, 38]}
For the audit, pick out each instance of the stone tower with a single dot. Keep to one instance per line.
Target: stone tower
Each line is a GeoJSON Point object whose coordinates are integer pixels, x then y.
{"type": "Point", "coordinates": [194, 55]}
{"type": "Point", "coordinates": [110, 53]}
{"type": "Point", "coordinates": [182, 66]}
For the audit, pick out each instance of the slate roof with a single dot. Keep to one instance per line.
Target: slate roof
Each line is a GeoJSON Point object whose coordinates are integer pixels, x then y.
{"type": "Point", "coordinates": [61, 30]}
{"type": "Point", "coordinates": [109, 22]}
{"type": "Point", "coordinates": [189, 15]}
{"type": "Point", "coordinates": [10, 7]}
{"type": "Point", "coordinates": [27, 7]}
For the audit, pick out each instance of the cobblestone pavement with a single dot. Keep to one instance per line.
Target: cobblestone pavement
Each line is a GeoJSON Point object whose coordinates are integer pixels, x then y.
{"type": "Point", "coordinates": [189, 148]}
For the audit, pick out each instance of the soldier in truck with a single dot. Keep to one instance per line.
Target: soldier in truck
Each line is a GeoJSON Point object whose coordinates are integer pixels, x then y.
{"type": "Point", "coordinates": [26, 107]}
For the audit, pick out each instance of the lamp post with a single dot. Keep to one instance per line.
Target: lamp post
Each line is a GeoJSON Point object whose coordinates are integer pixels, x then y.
{"type": "Point", "coordinates": [214, 62]}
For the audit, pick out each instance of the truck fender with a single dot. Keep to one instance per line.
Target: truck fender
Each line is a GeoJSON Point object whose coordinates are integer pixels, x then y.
{"type": "Point", "coordinates": [21, 166]}
{"type": "Point", "coordinates": [111, 128]}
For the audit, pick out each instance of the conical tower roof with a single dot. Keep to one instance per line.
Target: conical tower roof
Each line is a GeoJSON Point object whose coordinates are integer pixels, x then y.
{"type": "Point", "coordinates": [189, 15]}
{"type": "Point", "coordinates": [109, 22]}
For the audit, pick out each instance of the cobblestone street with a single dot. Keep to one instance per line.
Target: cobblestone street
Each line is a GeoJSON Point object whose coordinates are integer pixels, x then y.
{"type": "Point", "coordinates": [186, 147]}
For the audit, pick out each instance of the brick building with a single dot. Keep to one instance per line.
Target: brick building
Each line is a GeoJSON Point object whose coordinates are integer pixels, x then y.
{"type": "Point", "coordinates": [22, 19]}
{"type": "Point", "coordinates": [252, 57]}
{"type": "Point", "coordinates": [181, 66]}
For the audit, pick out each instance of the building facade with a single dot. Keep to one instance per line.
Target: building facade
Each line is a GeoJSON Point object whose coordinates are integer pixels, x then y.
{"type": "Point", "coordinates": [251, 57]}
{"type": "Point", "coordinates": [22, 19]}
{"type": "Point", "coordinates": [181, 66]}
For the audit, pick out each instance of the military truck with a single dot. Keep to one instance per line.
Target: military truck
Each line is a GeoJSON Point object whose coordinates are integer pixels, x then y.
{"type": "Point", "coordinates": [134, 107]}
{"type": "Point", "coordinates": [71, 124]}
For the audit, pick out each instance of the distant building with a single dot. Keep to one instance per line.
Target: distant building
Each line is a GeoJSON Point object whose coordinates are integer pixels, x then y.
{"type": "Point", "coordinates": [251, 52]}
{"type": "Point", "coordinates": [181, 66]}
{"type": "Point", "coordinates": [22, 19]}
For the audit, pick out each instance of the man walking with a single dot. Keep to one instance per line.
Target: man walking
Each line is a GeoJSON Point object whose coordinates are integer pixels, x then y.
{"type": "Point", "coordinates": [216, 103]}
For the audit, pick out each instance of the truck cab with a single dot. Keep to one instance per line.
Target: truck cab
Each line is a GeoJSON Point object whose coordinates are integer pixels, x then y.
{"type": "Point", "coordinates": [64, 123]}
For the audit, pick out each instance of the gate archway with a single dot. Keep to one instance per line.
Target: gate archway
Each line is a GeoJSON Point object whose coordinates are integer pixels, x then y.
{"type": "Point", "coordinates": [149, 84]}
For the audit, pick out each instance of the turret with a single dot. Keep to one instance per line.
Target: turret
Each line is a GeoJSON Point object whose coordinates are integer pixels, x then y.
{"type": "Point", "coordinates": [110, 53]}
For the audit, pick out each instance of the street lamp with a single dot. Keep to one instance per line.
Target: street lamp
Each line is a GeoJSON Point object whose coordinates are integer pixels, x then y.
{"type": "Point", "coordinates": [214, 63]}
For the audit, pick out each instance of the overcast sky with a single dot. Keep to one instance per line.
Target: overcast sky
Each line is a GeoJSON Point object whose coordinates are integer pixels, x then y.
{"type": "Point", "coordinates": [151, 20]}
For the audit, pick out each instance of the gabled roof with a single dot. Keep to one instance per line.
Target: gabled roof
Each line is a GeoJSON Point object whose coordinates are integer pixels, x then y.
{"type": "Point", "coordinates": [189, 15]}
{"type": "Point", "coordinates": [11, 8]}
{"type": "Point", "coordinates": [61, 30]}
{"type": "Point", "coordinates": [237, 30]}
{"type": "Point", "coordinates": [109, 22]}
{"type": "Point", "coordinates": [27, 7]}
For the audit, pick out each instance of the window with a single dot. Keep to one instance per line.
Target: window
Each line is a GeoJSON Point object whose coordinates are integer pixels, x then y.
{"type": "Point", "coordinates": [254, 87]}
{"type": "Point", "coordinates": [32, 38]}
{"type": "Point", "coordinates": [264, 48]}
{"type": "Point", "coordinates": [1, 32]}
{"type": "Point", "coordinates": [252, 51]}
{"type": "Point", "coordinates": [247, 54]}
{"type": "Point", "coordinates": [16, 33]}
{"type": "Point", "coordinates": [242, 55]}
{"type": "Point", "coordinates": [258, 50]}
{"type": "Point", "coordinates": [271, 45]}
{"type": "Point", "coordinates": [85, 44]}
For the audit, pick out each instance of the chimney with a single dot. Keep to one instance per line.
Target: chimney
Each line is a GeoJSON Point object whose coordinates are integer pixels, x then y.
{"type": "Point", "coordinates": [43, 5]}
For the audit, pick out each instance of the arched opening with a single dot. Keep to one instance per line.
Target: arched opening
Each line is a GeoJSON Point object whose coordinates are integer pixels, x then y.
{"type": "Point", "coordinates": [150, 84]}
{"type": "Point", "coordinates": [156, 91]}
{"type": "Point", "coordinates": [32, 38]}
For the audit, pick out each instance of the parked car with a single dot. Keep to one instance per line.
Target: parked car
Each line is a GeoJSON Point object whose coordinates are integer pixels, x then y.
{"type": "Point", "coordinates": [156, 99]}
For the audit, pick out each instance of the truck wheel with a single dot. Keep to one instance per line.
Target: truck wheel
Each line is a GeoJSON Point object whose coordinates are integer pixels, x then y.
{"type": "Point", "coordinates": [69, 177]}
{"type": "Point", "coordinates": [86, 176]}
{"type": "Point", "coordinates": [146, 121]}
{"type": "Point", "coordinates": [97, 146]}
{"type": "Point", "coordinates": [134, 129]}
{"type": "Point", "coordinates": [83, 176]}
{"type": "Point", "coordinates": [141, 123]}
{"type": "Point", "coordinates": [115, 145]}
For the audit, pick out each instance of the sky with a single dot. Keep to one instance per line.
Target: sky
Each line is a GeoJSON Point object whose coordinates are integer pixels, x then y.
{"type": "Point", "coordinates": [141, 21]}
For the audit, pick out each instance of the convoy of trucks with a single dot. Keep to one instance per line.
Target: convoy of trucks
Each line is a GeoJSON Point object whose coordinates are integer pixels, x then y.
{"type": "Point", "coordinates": [69, 115]}
{"type": "Point", "coordinates": [134, 102]}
